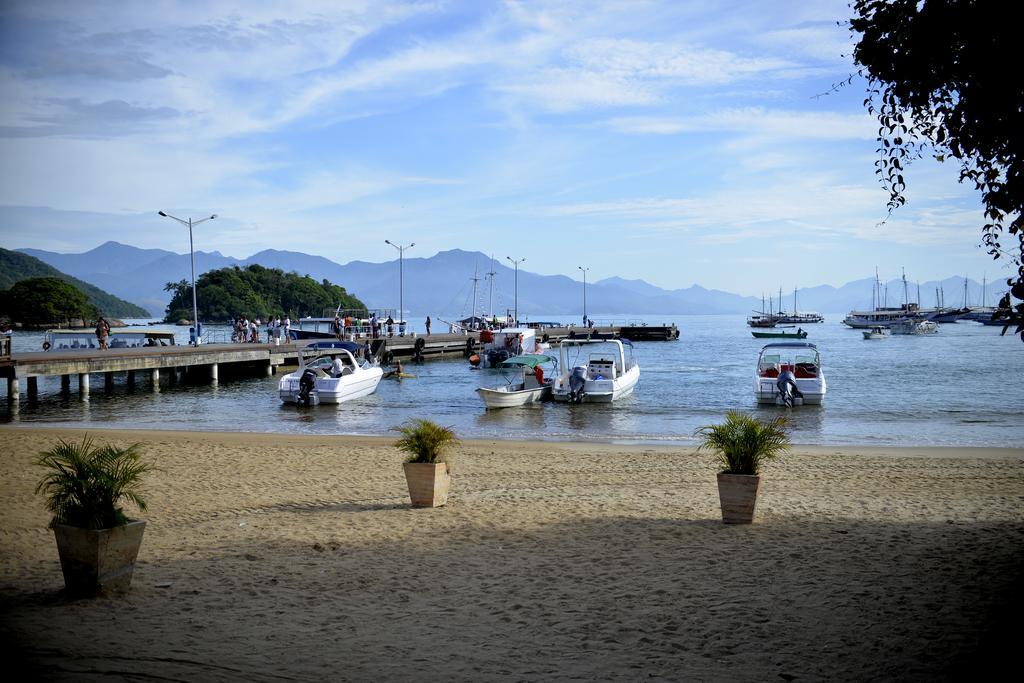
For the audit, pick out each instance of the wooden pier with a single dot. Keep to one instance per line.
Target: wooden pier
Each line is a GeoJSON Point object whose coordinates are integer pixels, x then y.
{"type": "Point", "coordinates": [208, 361]}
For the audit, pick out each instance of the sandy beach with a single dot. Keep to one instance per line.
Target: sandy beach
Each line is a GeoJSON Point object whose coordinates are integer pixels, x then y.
{"type": "Point", "coordinates": [273, 557]}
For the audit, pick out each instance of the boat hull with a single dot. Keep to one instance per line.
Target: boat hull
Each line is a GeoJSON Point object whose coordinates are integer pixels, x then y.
{"type": "Point", "coordinates": [601, 391]}
{"type": "Point", "coordinates": [779, 335]}
{"type": "Point", "coordinates": [333, 390]}
{"type": "Point", "coordinates": [505, 397]}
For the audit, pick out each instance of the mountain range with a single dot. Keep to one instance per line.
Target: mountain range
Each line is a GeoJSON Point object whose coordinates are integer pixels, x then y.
{"type": "Point", "coordinates": [441, 285]}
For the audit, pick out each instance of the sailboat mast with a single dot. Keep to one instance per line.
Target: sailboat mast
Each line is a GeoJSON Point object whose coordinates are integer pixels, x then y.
{"type": "Point", "coordinates": [475, 279]}
{"type": "Point", "coordinates": [490, 289]}
{"type": "Point", "coordinates": [906, 297]}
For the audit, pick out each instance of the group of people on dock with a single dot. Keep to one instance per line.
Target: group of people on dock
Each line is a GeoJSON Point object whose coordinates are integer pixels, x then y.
{"type": "Point", "coordinates": [374, 327]}
{"type": "Point", "coordinates": [247, 331]}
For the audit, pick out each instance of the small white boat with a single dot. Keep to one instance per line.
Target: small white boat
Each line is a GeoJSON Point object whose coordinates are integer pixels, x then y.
{"type": "Point", "coordinates": [324, 380]}
{"type": "Point", "coordinates": [789, 374]}
{"type": "Point", "coordinates": [911, 326]}
{"type": "Point", "coordinates": [605, 375]}
{"type": "Point", "coordinates": [522, 386]}
{"type": "Point", "coordinates": [876, 332]}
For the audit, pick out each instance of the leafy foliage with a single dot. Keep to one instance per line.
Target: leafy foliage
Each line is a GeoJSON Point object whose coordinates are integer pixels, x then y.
{"type": "Point", "coordinates": [84, 483]}
{"type": "Point", "coordinates": [742, 444]}
{"type": "Point", "coordinates": [256, 292]}
{"type": "Point", "coordinates": [425, 441]}
{"type": "Point", "coordinates": [16, 267]}
{"type": "Point", "coordinates": [941, 81]}
{"type": "Point", "coordinates": [45, 301]}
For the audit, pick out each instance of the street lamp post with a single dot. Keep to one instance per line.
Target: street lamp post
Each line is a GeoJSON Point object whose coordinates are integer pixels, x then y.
{"type": "Point", "coordinates": [401, 279]}
{"type": "Point", "coordinates": [192, 254]}
{"type": "Point", "coordinates": [516, 264]}
{"type": "Point", "coordinates": [584, 294]}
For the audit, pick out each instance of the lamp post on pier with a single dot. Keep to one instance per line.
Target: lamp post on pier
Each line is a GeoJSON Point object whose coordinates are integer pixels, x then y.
{"type": "Point", "coordinates": [401, 279]}
{"type": "Point", "coordinates": [584, 294]}
{"type": "Point", "coordinates": [192, 253]}
{"type": "Point", "coordinates": [516, 264]}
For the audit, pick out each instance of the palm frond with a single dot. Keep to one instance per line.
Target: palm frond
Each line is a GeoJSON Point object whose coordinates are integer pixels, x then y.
{"type": "Point", "coordinates": [742, 444]}
{"type": "Point", "coordinates": [425, 441]}
{"type": "Point", "coordinates": [84, 483]}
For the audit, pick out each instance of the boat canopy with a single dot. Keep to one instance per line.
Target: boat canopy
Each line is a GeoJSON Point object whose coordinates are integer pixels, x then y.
{"type": "Point", "coordinates": [596, 339]}
{"type": "Point", "coordinates": [529, 360]}
{"type": "Point", "coordinates": [790, 345]}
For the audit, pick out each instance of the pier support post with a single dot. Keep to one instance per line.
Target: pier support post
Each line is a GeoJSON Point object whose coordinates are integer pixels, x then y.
{"type": "Point", "coordinates": [108, 382]}
{"type": "Point", "coordinates": [33, 388]}
{"type": "Point", "coordinates": [270, 369]}
{"type": "Point", "coordinates": [129, 379]}
{"type": "Point", "coordinates": [13, 390]}
{"type": "Point", "coordinates": [155, 376]}
{"type": "Point", "coordinates": [65, 384]}
{"type": "Point", "coordinates": [213, 373]}
{"type": "Point", "coordinates": [83, 384]}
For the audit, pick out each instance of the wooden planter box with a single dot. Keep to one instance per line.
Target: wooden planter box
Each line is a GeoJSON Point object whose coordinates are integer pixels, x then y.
{"type": "Point", "coordinates": [737, 494]}
{"type": "Point", "coordinates": [98, 561]}
{"type": "Point", "coordinates": [428, 483]}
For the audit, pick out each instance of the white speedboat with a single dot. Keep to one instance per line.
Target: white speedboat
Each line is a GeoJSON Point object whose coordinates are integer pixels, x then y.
{"type": "Point", "coordinates": [876, 332]}
{"type": "Point", "coordinates": [789, 374]}
{"type": "Point", "coordinates": [522, 385]}
{"type": "Point", "coordinates": [914, 327]}
{"type": "Point", "coordinates": [595, 371]}
{"type": "Point", "coordinates": [323, 380]}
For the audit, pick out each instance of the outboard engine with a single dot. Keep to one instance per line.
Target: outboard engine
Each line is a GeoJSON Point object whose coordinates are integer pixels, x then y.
{"type": "Point", "coordinates": [788, 391]}
{"type": "Point", "coordinates": [577, 381]}
{"type": "Point", "coordinates": [307, 385]}
{"type": "Point", "coordinates": [496, 356]}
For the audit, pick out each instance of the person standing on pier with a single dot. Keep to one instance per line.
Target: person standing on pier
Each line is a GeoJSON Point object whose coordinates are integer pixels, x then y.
{"type": "Point", "coordinates": [287, 329]}
{"type": "Point", "coordinates": [428, 325]}
{"type": "Point", "coordinates": [391, 326]}
{"type": "Point", "coordinates": [270, 330]}
{"type": "Point", "coordinates": [373, 325]}
{"type": "Point", "coordinates": [336, 327]}
{"type": "Point", "coordinates": [102, 332]}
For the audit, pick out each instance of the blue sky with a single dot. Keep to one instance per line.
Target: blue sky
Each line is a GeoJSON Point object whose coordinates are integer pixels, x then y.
{"type": "Point", "coordinates": [677, 142]}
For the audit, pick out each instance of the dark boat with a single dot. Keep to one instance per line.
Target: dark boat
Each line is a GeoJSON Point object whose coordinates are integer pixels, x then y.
{"type": "Point", "coordinates": [799, 334]}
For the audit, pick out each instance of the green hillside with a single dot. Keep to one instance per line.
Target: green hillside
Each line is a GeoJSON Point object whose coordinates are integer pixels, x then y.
{"type": "Point", "coordinates": [257, 292]}
{"type": "Point", "coordinates": [15, 267]}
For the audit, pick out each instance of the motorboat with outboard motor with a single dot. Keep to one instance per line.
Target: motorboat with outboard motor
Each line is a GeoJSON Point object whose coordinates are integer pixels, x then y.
{"type": "Point", "coordinates": [526, 384]}
{"type": "Point", "coordinates": [607, 374]}
{"type": "Point", "coordinates": [330, 380]}
{"type": "Point", "coordinates": [789, 374]}
{"type": "Point", "coordinates": [876, 332]}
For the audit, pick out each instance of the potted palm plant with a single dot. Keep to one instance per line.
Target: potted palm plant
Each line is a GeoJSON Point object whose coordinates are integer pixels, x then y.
{"type": "Point", "coordinates": [742, 444]}
{"type": "Point", "coordinates": [84, 486]}
{"type": "Point", "coordinates": [427, 470]}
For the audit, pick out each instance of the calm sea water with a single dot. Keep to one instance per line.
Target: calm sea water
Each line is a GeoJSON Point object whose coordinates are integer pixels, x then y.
{"type": "Point", "coordinates": [960, 387]}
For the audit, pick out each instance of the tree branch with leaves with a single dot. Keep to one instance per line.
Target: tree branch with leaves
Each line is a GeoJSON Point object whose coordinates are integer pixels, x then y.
{"type": "Point", "coordinates": [942, 81]}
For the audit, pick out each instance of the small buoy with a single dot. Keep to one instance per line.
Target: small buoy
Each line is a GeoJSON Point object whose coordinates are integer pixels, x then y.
{"type": "Point", "coordinates": [474, 359]}
{"type": "Point", "coordinates": [46, 346]}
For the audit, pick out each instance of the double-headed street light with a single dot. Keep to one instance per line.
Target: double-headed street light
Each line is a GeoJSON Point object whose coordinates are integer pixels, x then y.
{"type": "Point", "coordinates": [401, 279]}
{"type": "Point", "coordinates": [584, 294]}
{"type": "Point", "coordinates": [195, 307]}
{"type": "Point", "coordinates": [516, 264]}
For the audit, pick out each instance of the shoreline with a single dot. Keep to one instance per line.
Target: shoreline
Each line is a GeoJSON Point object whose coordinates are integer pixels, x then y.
{"type": "Point", "coordinates": [298, 556]}
{"type": "Point", "coordinates": [994, 452]}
